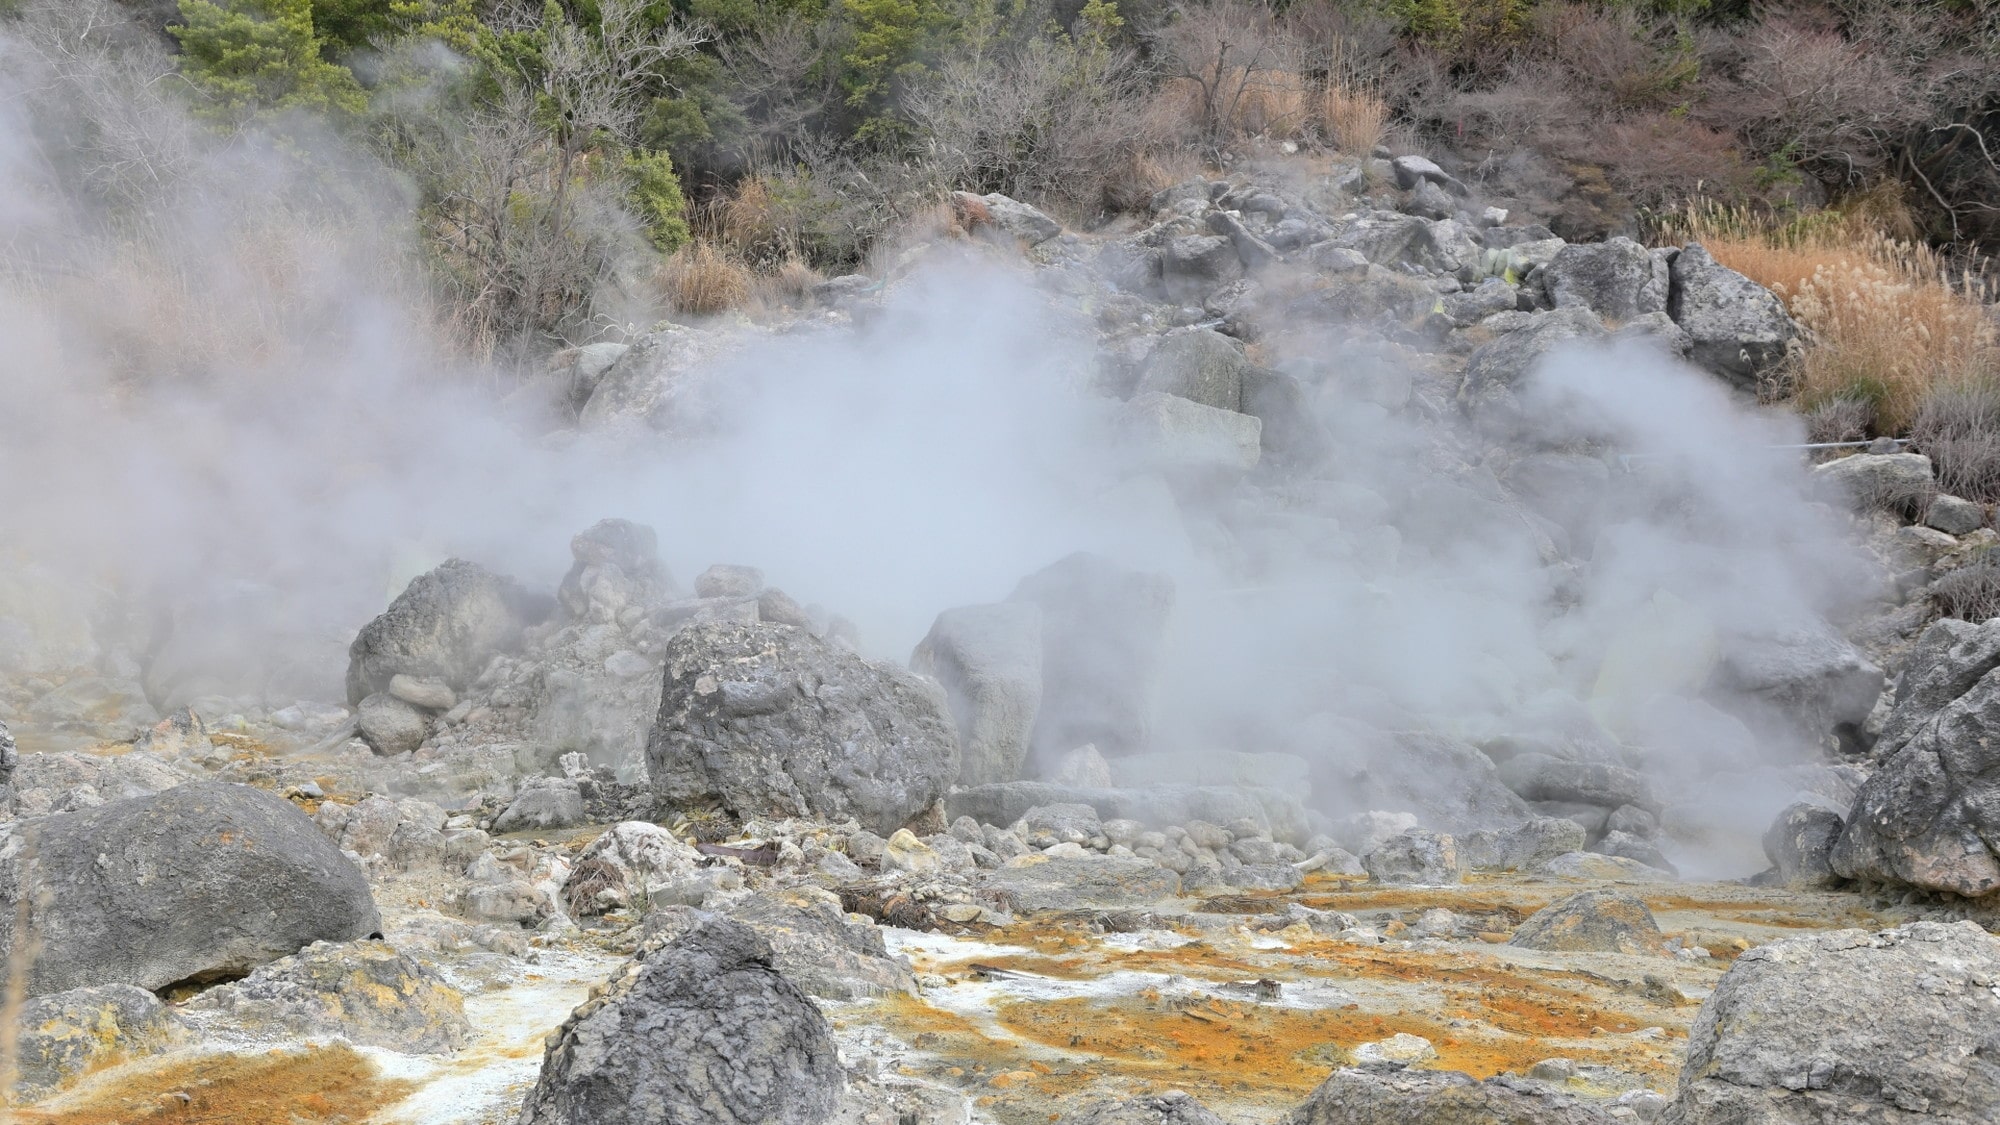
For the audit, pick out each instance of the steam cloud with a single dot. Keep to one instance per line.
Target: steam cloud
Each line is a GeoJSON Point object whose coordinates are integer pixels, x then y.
{"type": "Point", "coordinates": [236, 409]}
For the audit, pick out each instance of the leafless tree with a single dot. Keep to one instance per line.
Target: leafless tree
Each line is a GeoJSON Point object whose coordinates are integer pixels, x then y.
{"type": "Point", "coordinates": [1225, 50]}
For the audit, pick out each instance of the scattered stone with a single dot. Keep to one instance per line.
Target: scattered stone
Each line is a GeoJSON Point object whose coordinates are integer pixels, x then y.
{"type": "Point", "coordinates": [702, 1029]}
{"type": "Point", "coordinates": [1404, 1097]}
{"type": "Point", "coordinates": [1042, 882]}
{"type": "Point", "coordinates": [1400, 1049]}
{"type": "Point", "coordinates": [1174, 1108]}
{"type": "Point", "coordinates": [904, 852]}
{"type": "Point", "coordinates": [182, 734]}
{"type": "Point", "coordinates": [989, 660]}
{"type": "Point", "coordinates": [1416, 858]}
{"type": "Point", "coordinates": [771, 719]}
{"type": "Point", "coordinates": [1592, 922]}
{"type": "Point", "coordinates": [1899, 1026]}
{"type": "Point", "coordinates": [366, 992]}
{"type": "Point", "coordinates": [202, 882]}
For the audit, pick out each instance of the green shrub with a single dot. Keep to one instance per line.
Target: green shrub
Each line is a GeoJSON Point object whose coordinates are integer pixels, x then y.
{"type": "Point", "coordinates": [656, 195]}
{"type": "Point", "coordinates": [256, 56]}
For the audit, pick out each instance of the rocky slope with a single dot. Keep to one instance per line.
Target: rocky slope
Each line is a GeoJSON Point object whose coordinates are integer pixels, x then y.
{"type": "Point", "coordinates": [1492, 651]}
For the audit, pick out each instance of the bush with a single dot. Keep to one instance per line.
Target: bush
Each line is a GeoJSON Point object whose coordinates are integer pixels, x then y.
{"type": "Point", "coordinates": [1972, 592]}
{"type": "Point", "coordinates": [250, 56]}
{"type": "Point", "coordinates": [1958, 427]}
{"type": "Point", "coordinates": [656, 196]}
{"type": "Point", "coordinates": [701, 280]}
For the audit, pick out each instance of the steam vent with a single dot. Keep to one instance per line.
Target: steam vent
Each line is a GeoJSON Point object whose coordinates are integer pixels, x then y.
{"type": "Point", "coordinates": [1212, 562]}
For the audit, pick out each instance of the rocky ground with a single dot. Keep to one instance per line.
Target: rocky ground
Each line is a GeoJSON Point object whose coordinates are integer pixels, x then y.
{"type": "Point", "coordinates": [633, 851]}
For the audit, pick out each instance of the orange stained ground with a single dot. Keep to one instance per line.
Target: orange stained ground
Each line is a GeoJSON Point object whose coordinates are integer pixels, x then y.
{"type": "Point", "coordinates": [326, 1086]}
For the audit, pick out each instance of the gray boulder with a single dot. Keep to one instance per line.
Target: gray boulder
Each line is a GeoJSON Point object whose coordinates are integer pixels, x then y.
{"type": "Point", "coordinates": [1800, 842]}
{"type": "Point", "coordinates": [1103, 630]}
{"type": "Point", "coordinates": [769, 719]}
{"type": "Point", "coordinates": [201, 882]}
{"type": "Point", "coordinates": [1945, 662]}
{"type": "Point", "coordinates": [67, 1035]}
{"type": "Point", "coordinates": [390, 725]}
{"type": "Point", "coordinates": [1926, 816]}
{"type": "Point", "coordinates": [367, 992]}
{"type": "Point", "coordinates": [1523, 848]}
{"type": "Point", "coordinates": [1047, 882]}
{"type": "Point", "coordinates": [1173, 1108]}
{"type": "Point", "coordinates": [817, 948]}
{"type": "Point", "coordinates": [1618, 279]}
{"type": "Point", "coordinates": [446, 625]}
{"type": "Point", "coordinates": [1252, 251]}
{"type": "Point", "coordinates": [1026, 224]}
{"type": "Point", "coordinates": [1416, 858]}
{"type": "Point", "coordinates": [1183, 439]}
{"type": "Point", "coordinates": [1443, 781]}
{"type": "Point", "coordinates": [729, 580]}
{"type": "Point", "coordinates": [1193, 266]}
{"type": "Point", "coordinates": [989, 660]}
{"type": "Point", "coordinates": [1412, 171]}
{"type": "Point", "coordinates": [699, 1031]}
{"type": "Point", "coordinates": [614, 564]}
{"type": "Point", "coordinates": [1738, 328]}
{"type": "Point", "coordinates": [1902, 483]}
{"type": "Point", "coordinates": [1274, 812]}
{"type": "Point", "coordinates": [1899, 1027]}
{"type": "Point", "coordinates": [1495, 370]}
{"type": "Point", "coordinates": [10, 755]}
{"type": "Point", "coordinates": [1200, 365]}
{"type": "Point", "coordinates": [1432, 1097]}
{"type": "Point", "coordinates": [1954, 515]}
{"type": "Point", "coordinates": [1591, 922]}
{"type": "Point", "coordinates": [542, 805]}
{"type": "Point", "coordinates": [1812, 677]}
{"type": "Point", "coordinates": [1541, 777]}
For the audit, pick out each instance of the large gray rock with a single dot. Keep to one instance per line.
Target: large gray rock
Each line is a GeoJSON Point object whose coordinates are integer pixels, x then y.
{"type": "Point", "coordinates": [1276, 812]}
{"type": "Point", "coordinates": [1946, 660]}
{"type": "Point", "coordinates": [1618, 279]}
{"type": "Point", "coordinates": [1173, 1108]}
{"type": "Point", "coordinates": [1193, 266]}
{"type": "Point", "coordinates": [1813, 678]}
{"type": "Point", "coordinates": [67, 1035]}
{"type": "Point", "coordinates": [1927, 815]}
{"type": "Point", "coordinates": [1591, 922]}
{"type": "Point", "coordinates": [1540, 777]}
{"type": "Point", "coordinates": [1201, 365]}
{"type": "Point", "coordinates": [201, 882]}
{"type": "Point", "coordinates": [769, 719]}
{"type": "Point", "coordinates": [1415, 858]}
{"type": "Point", "coordinates": [1030, 226]}
{"type": "Point", "coordinates": [1900, 1027]}
{"type": "Point", "coordinates": [10, 755]}
{"type": "Point", "coordinates": [699, 1031]}
{"type": "Point", "coordinates": [614, 564]}
{"type": "Point", "coordinates": [1738, 328]}
{"type": "Point", "coordinates": [817, 948]}
{"type": "Point", "coordinates": [989, 660]}
{"type": "Point", "coordinates": [1495, 370]}
{"type": "Point", "coordinates": [1800, 842]}
{"type": "Point", "coordinates": [1103, 630]}
{"type": "Point", "coordinates": [446, 625]}
{"type": "Point", "coordinates": [366, 992]}
{"type": "Point", "coordinates": [1431, 1097]}
{"type": "Point", "coordinates": [1444, 782]}
{"type": "Point", "coordinates": [1901, 483]}
{"type": "Point", "coordinates": [1183, 439]}
{"type": "Point", "coordinates": [389, 725]}
{"type": "Point", "coordinates": [1524, 848]}
{"type": "Point", "coordinates": [1046, 882]}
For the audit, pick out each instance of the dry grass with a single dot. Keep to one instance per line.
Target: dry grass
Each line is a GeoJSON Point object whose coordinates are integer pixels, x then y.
{"type": "Point", "coordinates": [1887, 324]}
{"type": "Point", "coordinates": [701, 279]}
{"type": "Point", "coordinates": [1354, 118]}
{"type": "Point", "coordinates": [1284, 105]}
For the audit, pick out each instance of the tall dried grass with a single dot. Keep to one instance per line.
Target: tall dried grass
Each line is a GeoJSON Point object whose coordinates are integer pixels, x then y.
{"type": "Point", "coordinates": [701, 279]}
{"type": "Point", "coordinates": [1888, 323]}
{"type": "Point", "coordinates": [1284, 104]}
